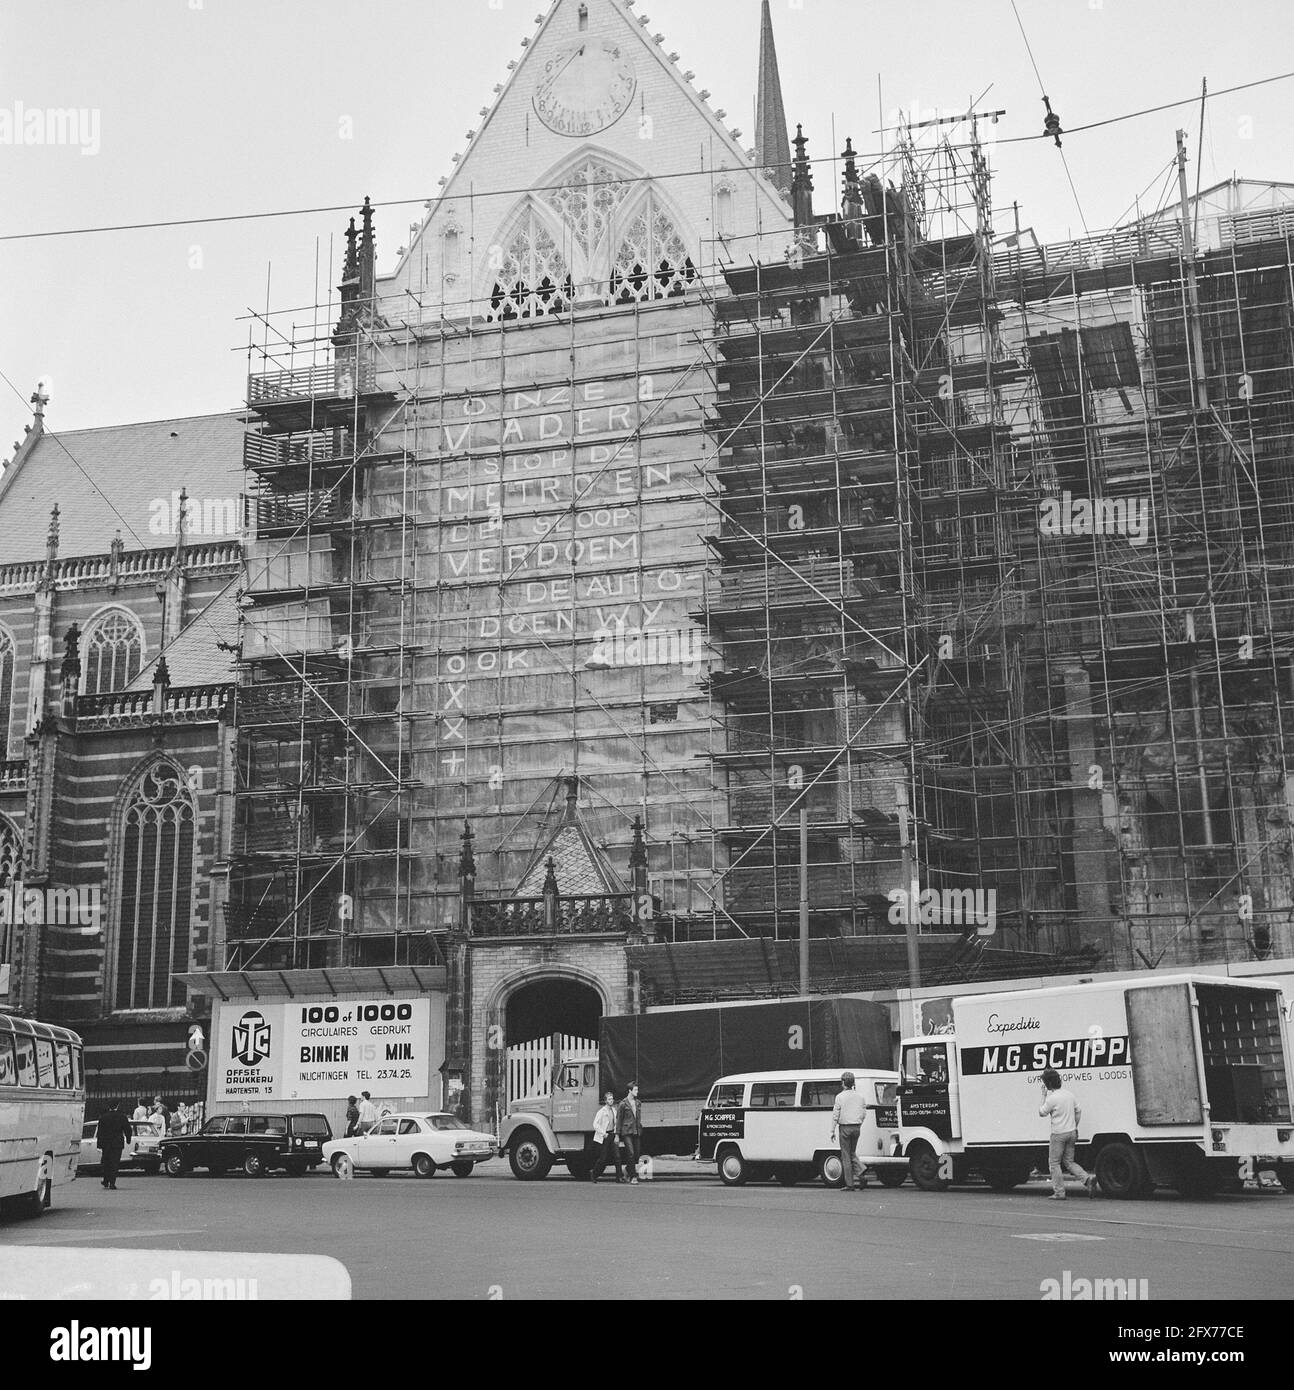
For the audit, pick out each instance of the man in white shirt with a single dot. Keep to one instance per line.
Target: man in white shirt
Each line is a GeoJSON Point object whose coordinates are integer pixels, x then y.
{"type": "Point", "coordinates": [141, 1111]}
{"type": "Point", "coordinates": [847, 1117]}
{"type": "Point", "coordinates": [367, 1114]}
{"type": "Point", "coordinates": [1066, 1114]}
{"type": "Point", "coordinates": [604, 1137]}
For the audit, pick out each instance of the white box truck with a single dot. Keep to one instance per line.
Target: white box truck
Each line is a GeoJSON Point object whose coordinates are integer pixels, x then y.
{"type": "Point", "coordinates": [1184, 1082]}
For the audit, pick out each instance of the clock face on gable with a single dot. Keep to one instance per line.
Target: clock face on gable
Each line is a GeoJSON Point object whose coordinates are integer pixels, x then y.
{"type": "Point", "coordinates": [585, 88]}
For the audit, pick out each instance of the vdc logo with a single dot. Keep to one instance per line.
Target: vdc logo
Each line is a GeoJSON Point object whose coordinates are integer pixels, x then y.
{"type": "Point", "coordinates": [251, 1039]}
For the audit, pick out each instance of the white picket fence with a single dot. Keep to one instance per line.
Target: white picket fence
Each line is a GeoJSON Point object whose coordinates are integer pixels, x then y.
{"type": "Point", "coordinates": [529, 1069]}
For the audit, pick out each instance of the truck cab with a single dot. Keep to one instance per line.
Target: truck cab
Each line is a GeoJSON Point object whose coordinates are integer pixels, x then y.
{"type": "Point", "coordinates": [541, 1130]}
{"type": "Point", "coordinates": [929, 1105]}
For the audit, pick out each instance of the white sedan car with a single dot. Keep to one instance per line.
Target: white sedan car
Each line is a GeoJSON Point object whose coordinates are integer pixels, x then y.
{"type": "Point", "coordinates": [141, 1152]}
{"type": "Point", "coordinates": [421, 1142]}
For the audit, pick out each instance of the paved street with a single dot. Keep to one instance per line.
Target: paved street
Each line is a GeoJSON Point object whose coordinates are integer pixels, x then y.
{"type": "Point", "coordinates": [686, 1236]}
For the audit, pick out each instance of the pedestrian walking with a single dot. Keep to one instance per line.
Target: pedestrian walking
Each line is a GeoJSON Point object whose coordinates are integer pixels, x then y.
{"type": "Point", "coordinates": [847, 1116]}
{"type": "Point", "coordinates": [1066, 1115]}
{"type": "Point", "coordinates": [352, 1116]}
{"type": "Point", "coordinates": [367, 1114]}
{"type": "Point", "coordinates": [604, 1139]}
{"type": "Point", "coordinates": [141, 1110]}
{"type": "Point", "coordinates": [114, 1131]}
{"type": "Point", "coordinates": [629, 1130]}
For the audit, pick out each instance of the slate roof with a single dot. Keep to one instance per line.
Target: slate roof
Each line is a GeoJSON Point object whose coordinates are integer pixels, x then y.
{"type": "Point", "coordinates": [582, 870]}
{"type": "Point", "coordinates": [754, 968]}
{"type": "Point", "coordinates": [194, 658]}
{"type": "Point", "coordinates": [123, 470]}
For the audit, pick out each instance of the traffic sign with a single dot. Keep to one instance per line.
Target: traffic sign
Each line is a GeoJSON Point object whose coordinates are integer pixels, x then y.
{"type": "Point", "coordinates": [196, 1060]}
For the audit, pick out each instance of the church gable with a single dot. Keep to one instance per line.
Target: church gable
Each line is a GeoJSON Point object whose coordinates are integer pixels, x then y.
{"type": "Point", "coordinates": [633, 177]}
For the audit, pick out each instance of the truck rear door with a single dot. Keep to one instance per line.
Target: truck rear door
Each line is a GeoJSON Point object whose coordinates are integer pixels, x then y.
{"type": "Point", "coordinates": [928, 1093]}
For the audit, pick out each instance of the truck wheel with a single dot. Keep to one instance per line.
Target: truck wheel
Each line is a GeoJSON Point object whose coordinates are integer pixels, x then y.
{"type": "Point", "coordinates": [173, 1162]}
{"type": "Point", "coordinates": [733, 1169]}
{"type": "Point", "coordinates": [1121, 1172]}
{"type": "Point", "coordinates": [926, 1169]}
{"type": "Point", "coordinates": [528, 1157]}
{"type": "Point", "coordinates": [891, 1175]}
{"type": "Point", "coordinates": [1285, 1172]}
{"type": "Point", "coordinates": [830, 1169]}
{"type": "Point", "coordinates": [1004, 1179]}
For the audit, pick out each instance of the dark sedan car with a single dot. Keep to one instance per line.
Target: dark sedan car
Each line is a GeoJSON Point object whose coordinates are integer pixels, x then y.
{"type": "Point", "coordinates": [255, 1143]}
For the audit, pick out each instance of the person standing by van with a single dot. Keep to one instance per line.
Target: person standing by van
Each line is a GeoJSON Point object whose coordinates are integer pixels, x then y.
{"type": "Point", "coordinates": [847, 1117]}
{"type": "Point", "coordinates": [629, 1130]}
{"type": "Point", "coordinates": [604, 1137]}
{"type": "Point", "coordinates": [352, 1115]}
{"type": "Point", "coordinates": [1065, 1113]}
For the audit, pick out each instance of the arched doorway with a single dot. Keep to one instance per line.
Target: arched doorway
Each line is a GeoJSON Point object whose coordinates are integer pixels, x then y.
{"type": "Point", "coordinates": [546, 1007]}
{"type": "Point", "coordinates": [541, 1018]}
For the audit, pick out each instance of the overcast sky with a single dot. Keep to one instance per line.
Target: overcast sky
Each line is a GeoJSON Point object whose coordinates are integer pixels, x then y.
{"type": "Point", "coordinates": [209, 107]}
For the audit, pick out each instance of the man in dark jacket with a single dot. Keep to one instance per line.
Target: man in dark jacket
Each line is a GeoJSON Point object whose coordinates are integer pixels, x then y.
{"type": "Point", "coordinates": [629, 1130]}
{"type": "Point", "coordinates": [114, 1131]}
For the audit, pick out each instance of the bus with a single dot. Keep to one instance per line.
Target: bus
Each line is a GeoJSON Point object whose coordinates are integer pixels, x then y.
{"type": "Point", "coordinates": [42, 1108]}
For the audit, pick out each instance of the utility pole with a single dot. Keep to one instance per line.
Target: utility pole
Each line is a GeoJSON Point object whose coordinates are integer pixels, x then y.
{"type": "Point", "coordinates": [1192, 285]}
{"type": "Point", "coordinates": [804, 893]}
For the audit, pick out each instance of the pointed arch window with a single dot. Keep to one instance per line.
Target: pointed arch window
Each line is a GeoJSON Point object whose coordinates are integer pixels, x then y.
{"type": "Point", "coordinates": [534, 280]}
{"type": "Point", "coordinates": [155, 839]}
{"type": "Point", "coordinates": [113, 652]}
{"type": "Point", "coordinates": [10, 872]}
{"type": "Point", "coordinates": [8, 659]}
{"type": "Point", "coordinates": [652, 261]}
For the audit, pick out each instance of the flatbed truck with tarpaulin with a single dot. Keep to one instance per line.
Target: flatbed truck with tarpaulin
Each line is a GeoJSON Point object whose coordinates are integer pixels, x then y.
{"type": "Point", "coordinates": [1182, 1081]}
{"type": "Point", "coordinates": [675, 1056]}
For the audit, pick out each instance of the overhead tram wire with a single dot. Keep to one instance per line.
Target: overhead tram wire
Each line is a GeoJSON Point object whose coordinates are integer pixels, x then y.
{"type": "Point", "coordinates": [876, 155]}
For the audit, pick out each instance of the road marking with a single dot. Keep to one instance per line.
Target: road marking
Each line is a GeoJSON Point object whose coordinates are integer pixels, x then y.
{"type": "Point", "coordinates": [1055, 1235]}
{"type": "Point", "coordinates": [80, 1236]}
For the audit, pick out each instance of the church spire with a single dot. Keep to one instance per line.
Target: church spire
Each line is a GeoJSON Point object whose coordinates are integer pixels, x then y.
{"type": "Point", "coordinates": [772, 145]}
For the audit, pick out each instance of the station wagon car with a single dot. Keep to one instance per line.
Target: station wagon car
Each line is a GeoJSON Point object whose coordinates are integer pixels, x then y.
{"type": "Point", "coordinates": [256, 1144]}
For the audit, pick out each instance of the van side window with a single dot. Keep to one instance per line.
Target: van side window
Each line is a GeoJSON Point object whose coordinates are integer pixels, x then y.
{"type": "Point", "coordinates": [731, 1093]}
{"type": "Point", "coordinates": [773, 1095]}
{"type": "Point", "coordinates": [819, 1095]}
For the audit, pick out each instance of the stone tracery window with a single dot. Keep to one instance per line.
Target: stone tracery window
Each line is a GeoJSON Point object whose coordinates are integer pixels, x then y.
{"type": "Point", "coordinates": [587, 200]}
{"type": "Point", "coordinates": [534, 280]}
{"type": "Point", "coordinates": [652, 262]}
{"type": "Point", "coordinates": [155, 877]}
{"type": "Point", "coordinates": [114, 652]}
